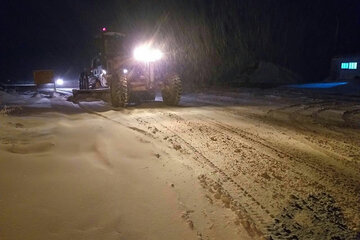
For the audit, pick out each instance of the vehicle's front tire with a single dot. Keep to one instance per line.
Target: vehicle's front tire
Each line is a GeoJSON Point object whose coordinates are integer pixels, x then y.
{"type": "Point", "coordinates": [171, 93]}
{"type": "Point", "coordinates": [119, 91]}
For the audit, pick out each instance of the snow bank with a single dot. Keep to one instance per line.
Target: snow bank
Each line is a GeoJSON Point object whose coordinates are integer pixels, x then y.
{"type": "Point", "coordinates": [6, 97]}
{"type": "Point", "coordinates": [267, 74]}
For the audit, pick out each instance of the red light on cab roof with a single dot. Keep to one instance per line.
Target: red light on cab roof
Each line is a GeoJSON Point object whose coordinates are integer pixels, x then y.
{"type": "Point", "coordinates": [104, 29]}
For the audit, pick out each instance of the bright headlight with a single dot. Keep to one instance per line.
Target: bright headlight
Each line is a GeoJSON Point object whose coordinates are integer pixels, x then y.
{"type": "Point", "coordinates": [147, 54]}
{"type": "Point", "coordinates": [59, 81]}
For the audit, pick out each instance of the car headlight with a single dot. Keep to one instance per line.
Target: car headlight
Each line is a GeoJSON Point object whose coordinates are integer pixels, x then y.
{"type": "Point", "coordinates": [145, 53]}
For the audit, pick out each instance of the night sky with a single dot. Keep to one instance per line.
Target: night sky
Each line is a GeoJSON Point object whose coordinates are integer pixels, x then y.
{"type": "Point", "coordinates": [48, 35]}
{"type": "Point", "coordinates": [59, 34]}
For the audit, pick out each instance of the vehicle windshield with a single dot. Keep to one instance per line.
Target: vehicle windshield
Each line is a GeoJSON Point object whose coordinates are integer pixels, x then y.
{"type": "Point", "coordinates": [113, 45]}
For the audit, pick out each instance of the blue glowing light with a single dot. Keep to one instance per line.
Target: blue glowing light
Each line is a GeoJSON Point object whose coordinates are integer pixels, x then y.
{"type": "Point", "coordinates": [319, 85]}
{"type": "Point", "coordinates": [349, 65]}
{"type": "Point", "coordinates": [353, 65]}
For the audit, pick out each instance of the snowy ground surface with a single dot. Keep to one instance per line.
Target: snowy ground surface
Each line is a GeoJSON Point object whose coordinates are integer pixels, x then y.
{"type": "Point", "coordinates": [246, 164]}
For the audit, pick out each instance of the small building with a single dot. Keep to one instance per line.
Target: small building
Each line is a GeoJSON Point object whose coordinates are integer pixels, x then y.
{"type": "Point", "coordinates": [345, 68]}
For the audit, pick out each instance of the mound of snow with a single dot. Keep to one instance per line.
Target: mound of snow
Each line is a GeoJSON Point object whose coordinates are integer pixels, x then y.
{"type": "Point", "coordinates": [268, 74]}
{"type": "Point", "coordinates": [6, 97]}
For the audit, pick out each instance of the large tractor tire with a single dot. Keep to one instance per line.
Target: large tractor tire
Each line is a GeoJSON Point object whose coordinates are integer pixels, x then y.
{"type": "Point", "coordinates": [83, 81]}
{"type": "Point", "coordinates": [119, 91]}
{"type": "Point", "coordinates": [171, 93]}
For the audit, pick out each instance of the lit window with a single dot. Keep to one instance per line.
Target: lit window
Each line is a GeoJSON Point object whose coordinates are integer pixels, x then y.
{"type": "Point", "coordinates": [344, 65]}
{"type": "Point", "coordinates": [349, 65]}
{"type": "Point", "coordinates": [353, 65]}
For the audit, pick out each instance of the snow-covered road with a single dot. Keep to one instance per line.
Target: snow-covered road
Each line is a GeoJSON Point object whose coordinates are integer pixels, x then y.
{"type": "Point", "coordinates": [247, 164]}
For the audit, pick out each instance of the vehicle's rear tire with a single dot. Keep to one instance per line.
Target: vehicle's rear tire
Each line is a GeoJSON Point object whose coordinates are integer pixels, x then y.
{"type": "Point", "coordinates": [119, 91]}
{"type": "Point", "coordinates": [83, 81]}
{"type": "Point", "coordinates": [171, 93]}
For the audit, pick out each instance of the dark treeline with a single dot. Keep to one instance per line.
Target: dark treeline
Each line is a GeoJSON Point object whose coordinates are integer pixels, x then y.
{"type": "Point", "coordinates": [214, 41]}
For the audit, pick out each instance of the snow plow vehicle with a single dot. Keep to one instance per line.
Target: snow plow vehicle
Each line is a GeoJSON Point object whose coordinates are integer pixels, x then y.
{"type": "Point", "coordinates": [129, 78]}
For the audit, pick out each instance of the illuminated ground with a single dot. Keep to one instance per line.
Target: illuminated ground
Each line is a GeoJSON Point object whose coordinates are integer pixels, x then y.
{"type": "Point", "coordinates": [248, 164]}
